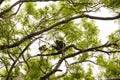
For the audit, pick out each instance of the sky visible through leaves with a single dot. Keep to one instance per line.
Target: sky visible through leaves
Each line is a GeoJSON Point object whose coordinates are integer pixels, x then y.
{"type": "Point", "coordinates": [105, 28]}
{"type": "Point", "coordinates": [59, 39]}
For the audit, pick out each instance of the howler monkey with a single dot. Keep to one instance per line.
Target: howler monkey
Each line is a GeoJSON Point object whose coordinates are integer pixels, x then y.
{"type": "Point", "coordinates": [60, 45]}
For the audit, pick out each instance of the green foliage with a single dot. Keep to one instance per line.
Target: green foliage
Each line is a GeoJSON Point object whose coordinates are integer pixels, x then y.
{"type": "Point", "coordinates": [83, 57]}
{"type": "Point", "coordinates": [112, 3]}
{"type": "Point", "coordinates": [30, 8]}
{"type": "Point", "coordinates": [114, 36]}
{"type": "Point", "coordinates": [65, 11]}
{"type": "Point", "coordinates": [101, 61]}
{"type": "Point", "coordinates": [112, 69]}
{"type": "Point", "coordinates": [76, 72]}
{"type": "Point", "coordinates": [32, 21]}
{"type": "Point", "coordinates": [16, 71]}
{"type": "Point", "coordinates": [89, 75]}
{"type": "Point", "coordinates": [37, 68]}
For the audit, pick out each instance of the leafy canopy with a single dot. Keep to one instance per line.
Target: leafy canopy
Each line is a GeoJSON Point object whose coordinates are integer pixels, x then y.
{"type": "Point", "coordinates": [28, 33]}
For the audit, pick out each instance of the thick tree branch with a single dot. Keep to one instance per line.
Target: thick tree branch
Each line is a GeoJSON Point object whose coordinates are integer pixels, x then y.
{"type": "Point", "coordinates": [72, 55]}
{"type": "Point", "coordinates": [91, 49]}
{"type": "Point", "coordinates": [53, 26]}
{"type": "Point", "coordinates": [83, 50]}
{"type": "Point", "coordinates": [57, 53]}
{"type": "Point", "coordinates": [53, 70]}
{"type": "Point", "coordinates": [63, 74]}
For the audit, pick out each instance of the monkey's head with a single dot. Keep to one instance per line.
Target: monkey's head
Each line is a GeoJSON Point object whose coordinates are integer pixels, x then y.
{"type": "Point", "coordinates": [58, 42]}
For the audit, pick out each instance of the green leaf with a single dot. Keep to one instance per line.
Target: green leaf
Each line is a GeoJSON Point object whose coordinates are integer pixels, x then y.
{"type": "Point", "coordinates": [30, 8]}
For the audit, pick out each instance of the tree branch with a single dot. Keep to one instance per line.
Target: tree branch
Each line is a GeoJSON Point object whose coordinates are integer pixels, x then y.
{"type": "Point", "coordinates": [72, 55]}
{"type": "Point", "coordinates": [1, 1]}
{"type": "Point", "coordinates": [107, 51]}
{"type": "Point", "coordinates": [6, 17]}
{"type": "Point", "coordinates": [91, 49]}
{"type": "Point", "coordinates": [76, 62]}
{"type": "Point", "coordinates": [53, 70]}
{"type": "Point", "coordinates": [8, 9]}
{"type": "Point", "coordinates": [12, 66]}
{"type": "Point", "coordinates": [18, 2]}
{"type": "Point", "coordinates": [53, 26]}
{"type": "Point", "coordinates": [59, 52]}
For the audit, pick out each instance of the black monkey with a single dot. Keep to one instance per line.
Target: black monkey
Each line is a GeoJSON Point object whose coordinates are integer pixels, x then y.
{"type": "Point", "coordinates": [60, 45]}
